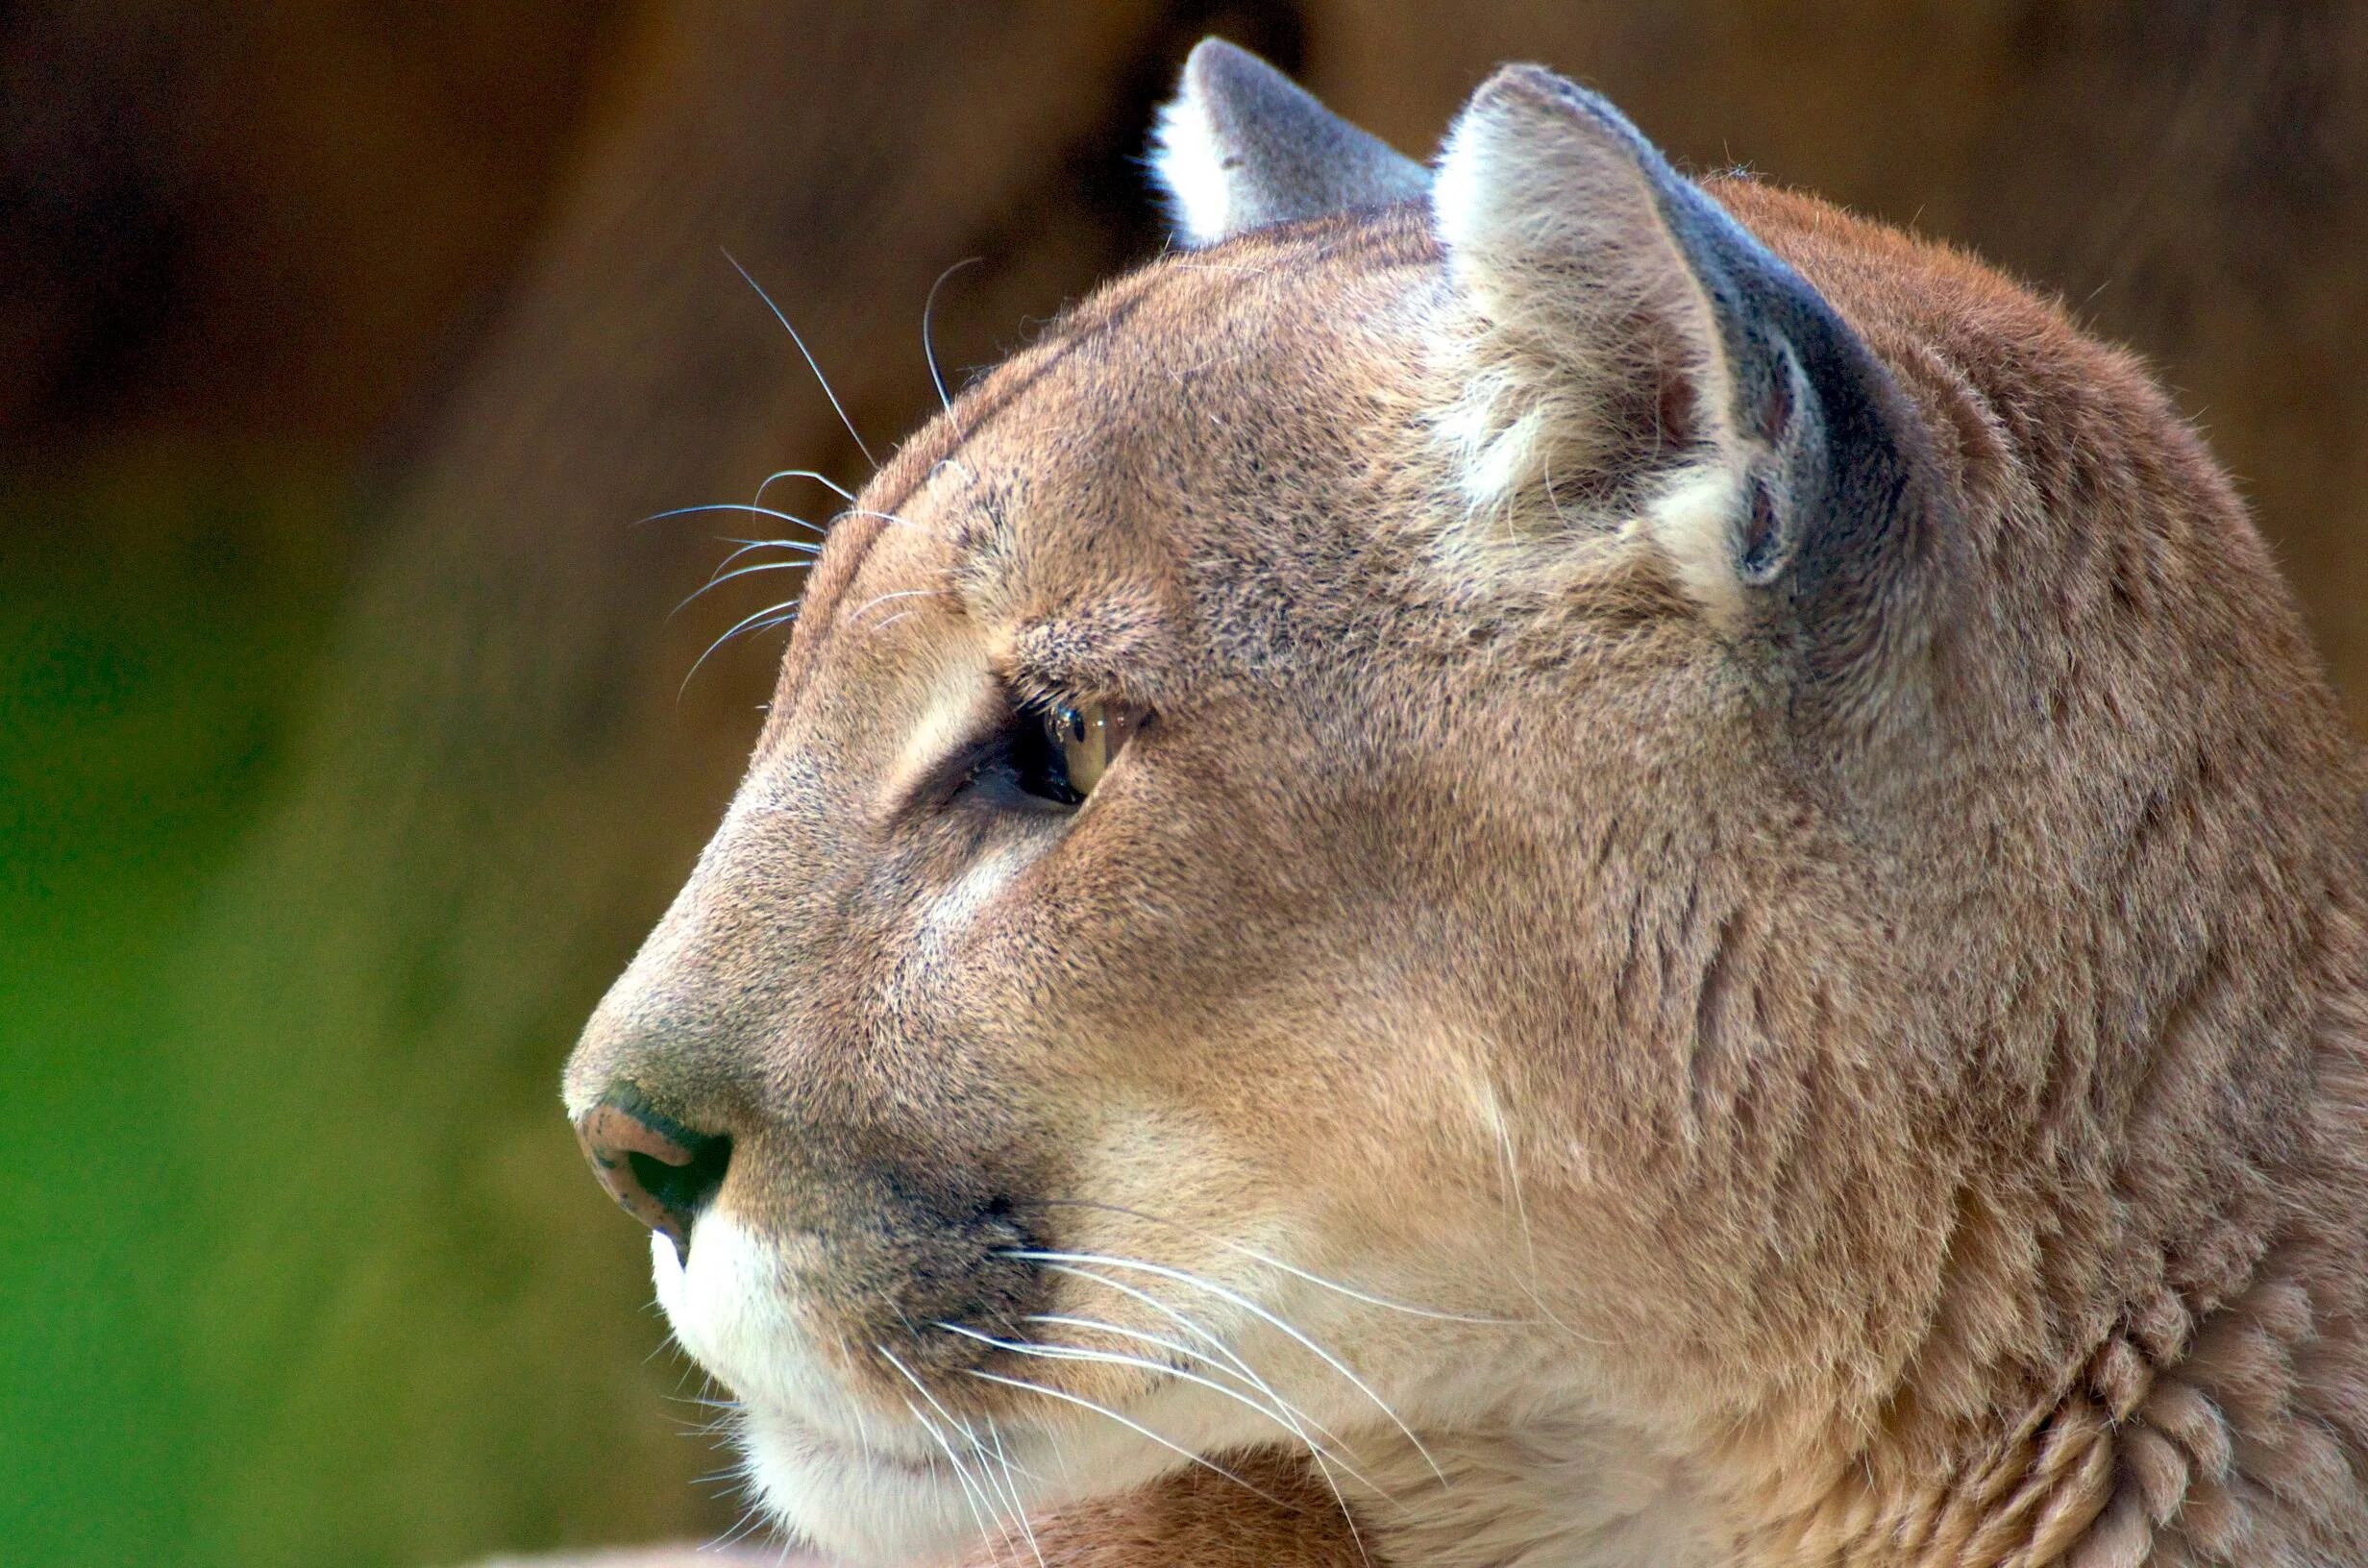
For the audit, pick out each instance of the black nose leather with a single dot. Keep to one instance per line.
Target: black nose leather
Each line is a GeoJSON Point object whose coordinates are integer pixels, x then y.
{"type": "Point", "coordinates": [661, 1171]}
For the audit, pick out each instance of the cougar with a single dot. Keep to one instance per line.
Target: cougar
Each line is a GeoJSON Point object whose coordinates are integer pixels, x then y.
{"type": "Point", "coordinates": [1527, 862]}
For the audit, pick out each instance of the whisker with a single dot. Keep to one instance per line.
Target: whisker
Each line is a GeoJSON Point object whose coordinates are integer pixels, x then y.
{"type": "Point", "coordinates": [1233, 1357]}
{"type": "Point", "coordinates": [714, 583]}
{"type": "Point", "coordinates": [745, 622]}
{"type": "Point", "coordinates": [1085, 1404]}
{"type": "Point", "coordinates": [854, 1407]}
{"type": "Point", "coordinates": [1011, 1489]}
{"type": "Point", "coordinates": [1225, 1368]}
{"type": "Point", "coordinates": [960, 1474]}
{"type": "Point", "coordinates": [1081, 1353]}
{"type": "Point", "coordinates": [782, 620]}
{"type": "Point", "coordinates": [797, 546]}
{"type": "Point", "coordinates": [952, 1420]}
{"type": "Point", "coordinates": [1293, 1269]}
{"type": "Point", "coordinates": [1195, 1282]}
{"type": "Point", "coordinates": [1511, 1162]}
{"type": "Point", "coordinates": [928, 350]}
{"type": "Point", "coordinates": [707, 1404]}
{"type": "Point", "coordinates": [748, 1523]}
{"type": "Point", "coordinates": [856, 614]}
{"type": "Point", "coordinates": [972, 1496]}
{"type": "Point", "coordinates": [810, 363]}
{"type": "Point", "coordinates": [740, 507]}
{"type": "Point", "coordinates": [789, 1544]}
{"type": "Point", "coordinates": [823, 480]}
{"type": "Point", "coordinates": [1250, 1374]}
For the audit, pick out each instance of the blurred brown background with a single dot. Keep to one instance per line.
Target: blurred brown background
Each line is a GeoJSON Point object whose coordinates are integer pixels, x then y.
{"type": "Point", "coordinates": [344, 746]}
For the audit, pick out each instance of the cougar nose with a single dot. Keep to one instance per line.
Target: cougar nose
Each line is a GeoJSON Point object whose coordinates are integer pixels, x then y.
{"type": "Point", "coordinates": [662, 1172]}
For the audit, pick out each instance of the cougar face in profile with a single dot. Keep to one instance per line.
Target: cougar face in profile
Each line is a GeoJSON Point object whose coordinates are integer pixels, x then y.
{"type": "Point", "coordinates": [1530, 865]}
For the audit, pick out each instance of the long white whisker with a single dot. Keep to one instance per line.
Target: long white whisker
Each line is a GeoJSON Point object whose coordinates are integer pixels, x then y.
{"type": "Point", "coordinates": [1232, 1358]}
{"type": "Point", "coordinates": [1250, 1374]}
{"type": "Point", "coordinates": [958, 1424]}
{"type": "Point", "coordinates": [972, 1496]}
{"type": "Point", "coordinates": [751, 1521]}
{"type": "Point", "coordinates": [785, 618]}
{"type": "Point", "coordinates": [798, 547]}
{"type": "Point", "coordinates": [1512, 1163]}
{"type": "Point", "coordinates": [1011, 1489]}
{"type": "Point", "coordinates": [1512, 1167]}
{"type": "Point", "coordinates": [789, 1544]}
{"type": "Point", "coordinates": [1085, 1404]}
{"type": "Point", "coordinates": [856, 614]}
{"type": "Point", "coordinates": [1224, 1368]}
{"type": "Point", "coordinates": [1293, 1269]}
{"type": "Point", "coordinates": [1222, 1293]}
{"type": "Point", "coordinates": [1081, 1353]}
{"type": "Point", "coordinates": [952, 1420]}
{"type": "Point", "coordinates": [999, 1493]}
{"type": "Point", "coordinates": [810, 363]}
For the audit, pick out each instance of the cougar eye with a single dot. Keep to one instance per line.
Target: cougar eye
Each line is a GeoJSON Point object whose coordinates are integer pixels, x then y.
{"type": "Point", "coordinates": [1061, 751]}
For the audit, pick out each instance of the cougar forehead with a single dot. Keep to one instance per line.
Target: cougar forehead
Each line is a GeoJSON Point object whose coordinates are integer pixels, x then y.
{"type": "Point", "coordinates": [1186, 432]}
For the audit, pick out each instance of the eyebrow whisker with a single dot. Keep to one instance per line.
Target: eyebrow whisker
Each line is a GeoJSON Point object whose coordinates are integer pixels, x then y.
{"type": "Point", "coordinates": [797, 545]}
{"type": "Point", "coordinates": [717, 582]}
{"type": "Point", "coordinates": [857, 613]}
{"type": "Point", "coordinates": [810, 363]}
{"type": "Point", "coordinates": [815, 528]}
{"type": "Point", "coordinates": [747, 623]}
{"type": "Point", "coordinates": [823, 480]}
{"type": "Point", "coordinates": [928, 350]}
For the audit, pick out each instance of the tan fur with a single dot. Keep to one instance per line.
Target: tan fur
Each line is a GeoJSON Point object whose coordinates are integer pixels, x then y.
{"type": "Point", "coordinates": [1949, 1154]}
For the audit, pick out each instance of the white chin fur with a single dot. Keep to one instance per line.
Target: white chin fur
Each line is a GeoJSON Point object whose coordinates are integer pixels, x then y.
{"type": "Point", "coordinates": [823, 1467]}
{"type": "Point", "coordinates": [870, 1482]}
{"type": "Point", "coordinates": [865, 1485]}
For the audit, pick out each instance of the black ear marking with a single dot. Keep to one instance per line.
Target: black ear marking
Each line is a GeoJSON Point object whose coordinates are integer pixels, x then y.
{"type": "Point", "coordinates": [1761, 546]}
{"type": "Point", "coordinates": [1550, 202]}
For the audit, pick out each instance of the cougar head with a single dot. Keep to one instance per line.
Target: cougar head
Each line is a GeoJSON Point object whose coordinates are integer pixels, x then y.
{"type": "Point", "coordinates": [1531, 798]}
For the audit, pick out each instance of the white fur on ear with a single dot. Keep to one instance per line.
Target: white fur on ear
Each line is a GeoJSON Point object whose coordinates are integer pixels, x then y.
{"type": "Point", "coordinates": [1693, 520]}
{"type": "Point", "coordinates": [1241, 146]}
{"type": "Point", "coordinates": [1552, 228]}
{"type": "Point", "coordinates": [1551, 225]}
{"type": "Point", "coordinates": [1625, 360]}
{"type": "Point", "coordinates": [1190, 164]}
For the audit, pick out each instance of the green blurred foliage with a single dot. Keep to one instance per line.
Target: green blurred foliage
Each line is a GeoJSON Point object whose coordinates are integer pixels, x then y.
{"type": "Point", "coordinates": [209, 1230]}
{"type": "Point", "coordinates": [154, 634]}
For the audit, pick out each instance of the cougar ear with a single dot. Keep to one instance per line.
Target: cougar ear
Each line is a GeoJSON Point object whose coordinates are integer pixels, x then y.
{"type": "Point", "coordinates": [1641, 347]}
{"type": "Point", "coordinates": [1241, 146]}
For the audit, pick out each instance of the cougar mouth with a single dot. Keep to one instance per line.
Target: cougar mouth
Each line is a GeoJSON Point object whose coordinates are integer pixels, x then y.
{"type": "Point", "coordinates": [883, 1451]}
{"type": "Point", "coordinates": [850, 1481]}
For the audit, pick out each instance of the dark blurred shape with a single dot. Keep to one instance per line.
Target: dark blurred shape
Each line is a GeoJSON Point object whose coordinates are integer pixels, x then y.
{"type": "Point", "coordinates": [399, 1323]}
{"type": "Point", "coordinates": [260, 221]}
